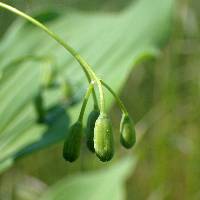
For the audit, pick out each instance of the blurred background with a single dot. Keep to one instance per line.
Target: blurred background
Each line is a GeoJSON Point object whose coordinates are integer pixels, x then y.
{"type": "Point", "coordinates": [164, 101]}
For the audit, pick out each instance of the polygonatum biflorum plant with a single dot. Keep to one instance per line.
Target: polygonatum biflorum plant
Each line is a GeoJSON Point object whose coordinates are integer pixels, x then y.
{"type": "Point", "coordinates": [113, 43]}
{"type": "Point", "coordinates": [99, 129]}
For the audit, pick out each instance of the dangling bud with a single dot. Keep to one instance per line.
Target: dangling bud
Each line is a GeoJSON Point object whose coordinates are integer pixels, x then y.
{"type": "Point", "coordinates": [72, 145]}
{"type": "Point", "coordinates": [103, 138]}
{"type": "Point", "coordinates": [90, 129]}
{"type": "Point", "coordinates": [127, 132]}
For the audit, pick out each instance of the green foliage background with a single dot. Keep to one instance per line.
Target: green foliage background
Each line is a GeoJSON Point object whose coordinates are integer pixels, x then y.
{"type": "Point", "coordinates": [164, 101]}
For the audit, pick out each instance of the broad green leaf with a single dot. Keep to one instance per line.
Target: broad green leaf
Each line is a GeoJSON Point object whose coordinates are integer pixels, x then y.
{"type": "Point", "coordinates": [111, 43]}
{"type": "Point", "coordinates": [105, 184]}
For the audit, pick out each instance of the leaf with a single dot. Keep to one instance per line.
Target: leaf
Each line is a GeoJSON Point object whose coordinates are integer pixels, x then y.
{"type": "Point", "coordinates": [106, 184]}
{"type": "Point", "coordinates": [111, 43]}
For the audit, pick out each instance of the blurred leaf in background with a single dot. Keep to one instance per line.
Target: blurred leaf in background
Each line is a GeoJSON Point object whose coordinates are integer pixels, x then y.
{"type": "Point", "coordinates": [103, 184]}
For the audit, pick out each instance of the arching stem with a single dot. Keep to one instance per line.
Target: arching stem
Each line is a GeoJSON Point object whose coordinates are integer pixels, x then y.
{"type": "Point", "coordinates": [87, 66]}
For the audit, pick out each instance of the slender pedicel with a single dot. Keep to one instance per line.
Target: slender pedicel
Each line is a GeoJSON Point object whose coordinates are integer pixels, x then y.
{"type": "Point", "coordinates": [85, 100]}
{"type": "Point", "coordinates": [120, 104]}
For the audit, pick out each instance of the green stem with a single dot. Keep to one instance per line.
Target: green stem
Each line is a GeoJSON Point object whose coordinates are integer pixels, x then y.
{"type": "Point", "coordinates": [85, 100]}
{"type": "Point", "coordinates": [93, 91]}
{"type": "Point", "coordinates": [87, 66]}
{"type": "Point", "coordinates": [81, 61]}
{"type": "Point", "coordinates": [120, 104]}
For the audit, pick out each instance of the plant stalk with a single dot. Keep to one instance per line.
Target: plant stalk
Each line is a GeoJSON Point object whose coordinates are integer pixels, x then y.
{"type": "Point", "coordinates": [85, 100]}
{"type": "Point", "coordinates": [119, 102]}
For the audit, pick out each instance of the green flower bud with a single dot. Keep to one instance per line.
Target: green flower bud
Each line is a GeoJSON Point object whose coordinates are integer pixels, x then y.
{"type": "Point", "coordinates": [103, 138]}
{"type": "Point", "coordinates": [127, 132]}
{"type": "Point", "coordinates": [90, 129]}
{"type": "Point", "coordinates": [72, 145]}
